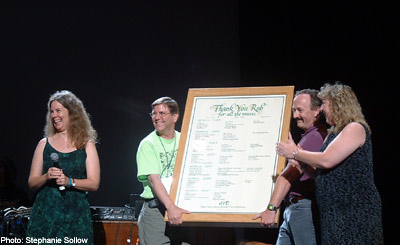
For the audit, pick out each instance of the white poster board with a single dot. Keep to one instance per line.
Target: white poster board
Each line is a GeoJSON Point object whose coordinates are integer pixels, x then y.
{"type": "Point", "coordinates": [226, 157]}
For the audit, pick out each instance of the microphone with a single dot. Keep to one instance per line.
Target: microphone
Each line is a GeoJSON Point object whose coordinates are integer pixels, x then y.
{"type": "Point", "coordinates": [54, 157]}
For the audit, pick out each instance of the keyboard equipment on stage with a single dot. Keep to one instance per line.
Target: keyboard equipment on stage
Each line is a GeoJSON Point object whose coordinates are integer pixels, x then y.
{"type": "Point", "coordinates": [112, 213]}
{"type": "Point", "coordinates": [14, 222]}
{"type": "Point", "coordinates": [110, 223]}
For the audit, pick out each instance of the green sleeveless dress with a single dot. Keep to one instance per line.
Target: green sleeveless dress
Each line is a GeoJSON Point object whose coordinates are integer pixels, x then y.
{"type": "Point", "coordinates": [59, 214]}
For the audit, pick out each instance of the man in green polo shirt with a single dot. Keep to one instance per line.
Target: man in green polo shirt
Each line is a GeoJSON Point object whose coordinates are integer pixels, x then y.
{"type": "Point", "coordinates": [156, 161]}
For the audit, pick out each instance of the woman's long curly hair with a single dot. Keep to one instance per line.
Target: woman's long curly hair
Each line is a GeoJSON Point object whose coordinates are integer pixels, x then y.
{"type": "Point", "coordinates": [80, 128]}
{"type": "Point", "coordinates": [344, 105]}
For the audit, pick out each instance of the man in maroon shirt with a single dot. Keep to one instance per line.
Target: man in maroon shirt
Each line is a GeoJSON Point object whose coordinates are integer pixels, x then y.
{"type": "Point", "coordinates": [296, 184]}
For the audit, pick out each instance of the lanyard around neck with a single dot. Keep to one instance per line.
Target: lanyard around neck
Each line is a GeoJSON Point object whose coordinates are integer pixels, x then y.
{"type": "Point", "coordinates": [166, 154]}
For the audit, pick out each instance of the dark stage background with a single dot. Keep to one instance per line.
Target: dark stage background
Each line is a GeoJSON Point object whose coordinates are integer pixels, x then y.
{"type": "Point", "coordinates": [119, 57]}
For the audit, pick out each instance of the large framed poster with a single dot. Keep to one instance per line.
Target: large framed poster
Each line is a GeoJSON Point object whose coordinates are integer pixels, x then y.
{"type": "Point", "coordinates": [226, 158]}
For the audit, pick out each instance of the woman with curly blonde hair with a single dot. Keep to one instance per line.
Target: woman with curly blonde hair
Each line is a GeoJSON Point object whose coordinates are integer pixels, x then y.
{"type": "Point", "coordinates": [344, 106]}
{"type": "Point", "coordinates": [65, 166]}
{"type": "Point", "coordinates": [349, 203]}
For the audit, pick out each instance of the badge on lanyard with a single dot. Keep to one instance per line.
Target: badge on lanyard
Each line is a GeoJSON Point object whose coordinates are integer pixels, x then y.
{"type": "Point", "coordinates": [167, 182]}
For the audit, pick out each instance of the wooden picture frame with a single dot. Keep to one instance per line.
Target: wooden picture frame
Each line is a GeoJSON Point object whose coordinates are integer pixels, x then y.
{"type": "Point", "coordinates": [226, 160]}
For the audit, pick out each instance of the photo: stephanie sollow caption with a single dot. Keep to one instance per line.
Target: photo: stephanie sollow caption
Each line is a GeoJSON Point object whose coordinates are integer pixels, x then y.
{"type": "Point", "coordinates": [43, 240]}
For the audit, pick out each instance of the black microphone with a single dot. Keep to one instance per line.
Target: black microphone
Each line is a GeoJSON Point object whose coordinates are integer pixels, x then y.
{"type": "Point", "coordinates": [54, 158]}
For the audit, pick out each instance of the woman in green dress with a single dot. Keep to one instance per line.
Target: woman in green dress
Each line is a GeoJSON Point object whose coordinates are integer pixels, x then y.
{"type": "Point", "coordinates": [65, 166]}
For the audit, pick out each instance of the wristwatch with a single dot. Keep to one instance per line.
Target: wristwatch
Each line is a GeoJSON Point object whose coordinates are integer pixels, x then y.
{"type": "Point", "coordinates": [295, 153]}
{"type": "Point", "coordinates": [73, 183]}
{"type": "Point", "coordinates": [271, 207]}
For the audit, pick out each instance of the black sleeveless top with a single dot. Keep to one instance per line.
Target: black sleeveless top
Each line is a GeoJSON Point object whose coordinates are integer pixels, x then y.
{"type": "Point", "coordinates": [349, 204]}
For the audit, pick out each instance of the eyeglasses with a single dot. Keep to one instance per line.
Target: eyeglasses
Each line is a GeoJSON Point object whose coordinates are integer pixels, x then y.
{"type": "Point", "coordinates": [161, 114]}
